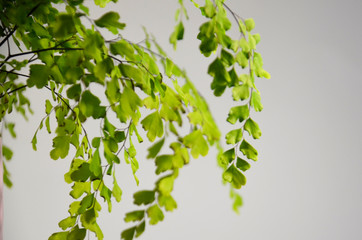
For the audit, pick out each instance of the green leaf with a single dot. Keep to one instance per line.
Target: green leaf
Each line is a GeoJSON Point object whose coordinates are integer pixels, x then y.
{"type": "Point", "coordinates": [123, 48]}
{"type": "Point", "coordinates": [209, 9]}
{"type": "Point", "coordinates": [39, 75]}
{"type": "Point", "coordinates": [242, 59]}
{"type": "Point", "coordinates": [116, 191]}
{"type": "Point", "coordinates": [110, 21]}
{"type": "Point", "coordinates": [134, 216]}
{"type": "Point", "coordinates": [155, 148]}
{"type": "Point", "coordinates": [144, 197]}
{"type": "Point", "coordinates": [242, 164]}
{"type": "Point", "coordinates": [95, 164]}
{"type": "Point", "coordinates": [155, 214]}
{"type": "Point", "coordinates": [64, 26]}
{"type": "Point", "coordinates": [60, 147]}
{"type": "Point", "coordinates": [77, 234]}
{"type": "Point", "coordinates": [154, 125]}
{"type": "Point", "coordinates": [89, 105]}
{"type": "Point", "coordinates": [241, 92]}
{"type": "Point", "coordinates": [177, 34]}
{"type": "Point", "coordinates": [79, 188]}
{"type": "Point", "coordinates": [7, 153]}
{"type": "Point", "coordinates": [227, 157]}
{"type": "Point", "coordinates": [128, 234]}
{"type": "Point", "coordinates": [227, 58]}
{"type": "Point", "coordinates": [197, 143]}
{"type": "Point", "coordinates": [86, 203]}
{"type": "Point", "coordinates": [256, 101]}
{"type": "Point", "coordinates": [167, 202]}
{"type": "Point", "coordinates": [96, 142]}
{"type": "Point", "coordinates": [130, 102]}
{"type": "Point", "coordinates": [163, 163]}
{"type": "Point", "coordinates": [234, 176]}
{"type": "Point", "coordinates": [238, 113]}
{"type": "Point", "coordinates": [250, 24]}
{"type": "Point", "coordinates": [59, 236]}
{"type": "Point", "coordinates": [165, 185]}
{"type": "Point", "coordinates": [74, 92]}
{"type": "Point", "coordinates": [106, 194]}
{"type": "Point", "coordinates": [67, 222]}
{"type": "Point", "coordinates": [248, 150]}
{"type": "Point", "coordinates": [234, 136]}
{"type": "Point", "coordinates": [253, 128]}
{"type": "Point", "coordinates": [48, 107]}
{"type": "Point", "coordinates": [140, 228]}
{"type": "Point", "coordinates": [81, 174]}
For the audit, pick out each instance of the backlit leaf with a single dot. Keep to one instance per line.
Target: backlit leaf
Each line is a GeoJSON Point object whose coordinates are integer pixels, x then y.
{"type": "Point", "coordinates": [248, 150]}
{"type": "Point", "coordinates": [134, 216]}
{"type": "Point", "coordinates": [154, 125]}
{"type": "Point", "coordinates": [238, 113]}
{"type": "Point", "coordinates": [67, 222]}
{"type": "Point", "coordinates": [110, 21]}
{"type": "Point", "coordinates": [234, 136]}
{"type": "Point", "coordinates": [155, 148]}
{"type": "Point", "coordinates": [197, 143]}
{"type": "Point", "coordinates": [241, 92]}
{"type": "Point", "coordinates": [253, 128]}
{"type": "Point", "coordinates": [234, 176]}
{"type": "Point", "coordinates": [155, 214]}
{"type": "Point", "coordinates": [256, 101]}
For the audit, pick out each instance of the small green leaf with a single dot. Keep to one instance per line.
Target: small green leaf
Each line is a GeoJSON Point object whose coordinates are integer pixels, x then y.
{"type": "Point", "coordinates": [39, 75]}
{"type": "Point", "coordinates": [74, 92]}
{"type": "Point", "coordinates": [95, 164]}
{"type": "Point", "coordinates": [238, 113]}
{"type": "Point", "coordinates": [242, 164]}
{"type": "Point", "coordinates": [155, 148]}
{"type": "Point", "coordinates": [59, 236]}
{"type": "Point", "coordinates": [241, 92]}
{"type": "Point", "coordinates": [155, 214]}
{"type": "Point", "coordinates": [86, 203]}
{"type": "Point", "coordinates": [116, 191]}
{"type": "Point", "coordinates": [140, 228]}
{"type": "Point", "coordinates": [67, 222]}
{"type": "Point", "coordinates": [81, 174]}
{"type": "Point", "coordinates": [7, 153]}
{"type": "Point", "coordinates": [234, 176]}
{"type": "Point", "coordinates": [167, 202]}
{"type": "Point", "coordinates": [89, 105]}
{"type": "Point", "coordinates": [144, 197]}
{"type": "Point", "coordinates": [165, 185]}
{"type": "Point", "coordinates": [227, 157]}
{"type": "Point", "coordinates": [60, 147]}
{"type": "Point", "coordinates": [197, 143]}
{"type": "Point", "coordinates": [128, 234]}
{"type": "Point", "coordinates": [177, 34]}
{"type": "Point", "coordinates": [96, 142]}
{"type": "Point", "coordinates": [110, 21]}
{"type": "Point", "coordinates": [253, 128]}
{"type": "Point", "coordinates": [248, 150]}
{"type": "Point", "coordinates": [134, 216]}
{"type": "Point", "coordinates": [154, 125]}
{"type": "Point", "coordinates": [250, 24]}
{"type": "Point", "coordinates": [256, 101]}
{"type": "Point", "coordinates": [163, 163]}
{"type": "Point", "coordinates": [77, 234]}
{"type": "Point", "coordinates": [234, 136]}
{"type": "Point", "coordinates": [79, 188]}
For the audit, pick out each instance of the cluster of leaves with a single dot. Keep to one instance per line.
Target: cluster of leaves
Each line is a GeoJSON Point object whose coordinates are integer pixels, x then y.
{"type": "Point", "coordinates": [142, 91]}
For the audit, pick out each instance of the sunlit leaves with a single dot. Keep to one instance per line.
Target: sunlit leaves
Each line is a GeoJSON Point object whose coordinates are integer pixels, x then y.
{"type": "Point", "coordinates": [248, 150]}
{"type": "Point", "coordinates": [253, 128]}
{"type": "Point", "coordinates": [256, 101]}
{"type": "Point", "coordinates": [64, 26]}
{"type": "Point", "coordinates": [67, 222]}
{"type": "Point", "coordinates": [197, 143]}
{"type": "Point", "coordinates": [234, 136]}
{"type": "Point", "coordinates": [241, 92]}
{"type": "Point", "coordinates": [238, 113]}
{"type": "Point", "coordinates": [153, 125]}
{"type": "Point", "coordinates": [234, 176]}
{"type": "Point", "coordinates": [60, 147]}
{"type": "Point", "coordinates": [110, 21]}
{"type": "Point", "coordinates": [155, 214]}
{"type": "Point", "coordinates": [250, 24]}
{"type": "Point", "coordinates": [155, 148]}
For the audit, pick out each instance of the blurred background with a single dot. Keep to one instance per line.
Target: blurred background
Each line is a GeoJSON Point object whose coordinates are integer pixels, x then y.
{"type": "Point", "coordinates": [307, 183]}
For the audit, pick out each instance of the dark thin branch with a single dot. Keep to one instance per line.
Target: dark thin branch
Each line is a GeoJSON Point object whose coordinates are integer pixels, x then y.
{"type": "Point", "coordinates": [38, 51]}
{"type": "Point", "coordinates": [236, 17]}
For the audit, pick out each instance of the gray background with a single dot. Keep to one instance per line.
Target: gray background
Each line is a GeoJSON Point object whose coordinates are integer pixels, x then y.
{"type": "Point", "coordinates": [307, 183]}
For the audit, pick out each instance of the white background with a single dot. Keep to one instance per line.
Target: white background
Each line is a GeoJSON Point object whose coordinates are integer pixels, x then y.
{"type": "Point", "coordinates": [308, 181]}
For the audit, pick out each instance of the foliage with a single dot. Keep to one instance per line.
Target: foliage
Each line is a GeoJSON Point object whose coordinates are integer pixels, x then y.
{"type": "Point", "coordinates": [144, 89]}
